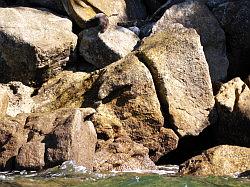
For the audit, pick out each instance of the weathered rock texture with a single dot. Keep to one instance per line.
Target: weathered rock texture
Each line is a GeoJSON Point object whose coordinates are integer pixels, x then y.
{"type": "Point", "coordinates": [125, 99]}
{"type": "Point", "coordinates": [19, 95]}
{"type": "Point", "coordinates": [4, 102]}
{"type": "Point", "coordinates": [43, 140]}
{"type": "Point", "coordinates": [178, 65]}
{"type": "Point", "coordinates": [233, 104]}
{"type": "Point", "coordinates": [234, 18]}
{"type": "Point", "coordinates": [122, 10]}
{"type": "Point", "coordinates": [218, 161]}
{"type": "Point", "coordinates": [34, 43]}
{"type": "Point", "coordinates": [194, 14]}
{"type": "Point", "coordinates": [101, 49]}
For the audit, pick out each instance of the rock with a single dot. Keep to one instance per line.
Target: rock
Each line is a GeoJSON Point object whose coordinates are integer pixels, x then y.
{"type": "Point", "coordinates": [31, 156]}
{"type": "Point", "coordinates": [127, 96]}
{"type": "Point", "coordinates": [234, 18]}
{"type": "Point", "coordinates": [178, 66]}
{"type": "Point", "coordinates": [233, 105]}
{"type": "Point", "coordinates": [62, 91]}
{"type": "Point", "coordinates": [19, 95]}
{"type": "Point", "coordinates": [193, 14]}
{"type": "Point", "coordinates": [118, 10]}
{"type": "Point", "coordinates": [42, 140]}
{"type": "Point", "coordinates": [153, 5]}
{"type": "Point", "coordinates": [12, 137]}
{"type": "Point", "coordinates": [222, 160]}
{"type": "Point", "coordinates": [4, 102]}
{"type": "Point", "coordinates": [75, 140]}
{"type": "Point", "coordinates": [54, 5]}
{"type": "Point", "coordinates": [101, 49]}
{"type": "Point", "coordinates": [35, 47]}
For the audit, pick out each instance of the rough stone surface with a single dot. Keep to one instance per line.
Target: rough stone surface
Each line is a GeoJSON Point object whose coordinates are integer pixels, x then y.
{"type": "Point", "coordinates": [194, 14]}
{"type": "Point", "coordinates": [20, 100]}
{"type": "Point", "coordinates": [222, 160]}
{"type": "Point", "coordinates": [34, 43]}
{"type": "Point", "coordinates": [101, 49]}
{"type": "Point", "coordinates": [62, 91]}
{"type": "Point", "coordinates": [126, 95]}
{"type": "Point", "coordinates": [12, 137]}
{"type": "Point", "coordinates": [178, 65]}
{"type": "Point", "coordinates": [4, 102]}
{"type": "Point", "coordinates": [233, 105]}
{"type": "Point", "coordinates": [31, 156]}
{"type": "Point", "coordinates": [234, 18]}
{"type": "Point", "coordinates": [122, 10]}
{"type": "Point", "coordinates": [42, 140]}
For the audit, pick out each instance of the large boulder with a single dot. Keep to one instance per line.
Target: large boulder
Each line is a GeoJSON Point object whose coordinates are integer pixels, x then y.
{"type": "Point", "coordinates": [233, 105]}
{"type": "Point", "coordinates": [34, 43]}
{"type": "Point", "coordinates": [194, 14]}
{"type": "Point", "coordinates": [118, 10]}
{"type": "Point", "coordinates": [101, 49]}
{"type": "Point", "coordinates": [222, 160]}
{"type": "Point", "coordinates": [19, 95]}
{"type": "Point", "coordinates": [126, 101]}
{"type": "Point", "coordinates": [41, 140]}
{"type": "Point", "coordinates": [181, 75]}
{"type": "Point", "coordinates": [234, 17]}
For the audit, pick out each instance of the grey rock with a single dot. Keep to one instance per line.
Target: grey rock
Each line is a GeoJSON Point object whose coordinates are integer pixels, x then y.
{"type": "Point", "coordinates": [102, 49]}
{"type": "Point", "coordinates": [194, 14]}
{"type": "Point", "coordinates": [34, 43]}
{"type": "Point", "coordinates": [178, 65]}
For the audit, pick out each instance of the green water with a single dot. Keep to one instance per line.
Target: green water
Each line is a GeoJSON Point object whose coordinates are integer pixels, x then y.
{"type": "Point", "coordinates": [124, 180]}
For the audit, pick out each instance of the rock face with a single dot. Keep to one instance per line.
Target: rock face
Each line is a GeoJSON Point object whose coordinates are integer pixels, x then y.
{"type": "Point", "coordinates": [34, 43]}
{"type": "Point", "coordinates": [101, 49]}
{"type": "Point", "coordinates": [234, 18]}
{"type": "Point", "coordinates": [19, 95]}
{"type": "Point", "coordinates": [84, 10]}
{"type": "Point", "coordinates": [4, 101]}
{"type": "Point", "coordinates": [178, 65]}
{"type": "Point", "coordinates": [233, 104]}
{"type": "Point", "coordinates": [218, 161]}
{"type": "Point", "coordinates": [47, 139]}
{"type": "Point", "coordinates": [194, 14]}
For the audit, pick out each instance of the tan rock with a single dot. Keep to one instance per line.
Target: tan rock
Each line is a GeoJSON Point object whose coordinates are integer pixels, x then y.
{"type": "Point", "coordinates": [31, 156]}
{"type": "Point", "coordinates": [4, 102]}
{"type": "Point", "coordinates": [233, 104]}
{"type": "Point", "coordinates": [222, 160]}
{"type": "Point", "coordinates": [181, 75]}
{"type": "Point", "coordinates": [83, 10]}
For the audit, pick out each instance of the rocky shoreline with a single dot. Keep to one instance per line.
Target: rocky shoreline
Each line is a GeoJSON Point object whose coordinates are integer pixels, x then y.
{"type": "Point", "coordinates": [169, 86]}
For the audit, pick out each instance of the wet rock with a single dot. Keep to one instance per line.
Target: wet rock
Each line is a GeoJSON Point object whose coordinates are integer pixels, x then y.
{"type": "Point", "coordinates": [34, 43]}
{"type": "Point", "coordinates": [222, 160]}
{"type": "Point", "coordinates": [117, 10]}
{"type": "Point", "coordinates": [31, 156]}
{"type": "Point", "coordinates": [101, 49]}
{"type": "Point", "coordinates": [178, 65]}
{"type": "Point", "coordinates": [233, 105]}
{"type": "Point", "coordinates": [234, 18]}
{"type": "Point", "coordinates": [194, 14]}
{"type": "Point", "coordinates": [4, 101]}
{"type": "Point", "coordinates": [19, 95]}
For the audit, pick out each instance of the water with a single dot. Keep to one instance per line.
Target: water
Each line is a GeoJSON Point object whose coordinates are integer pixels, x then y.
{"type": "Point", "coordinates": [69, 174]}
